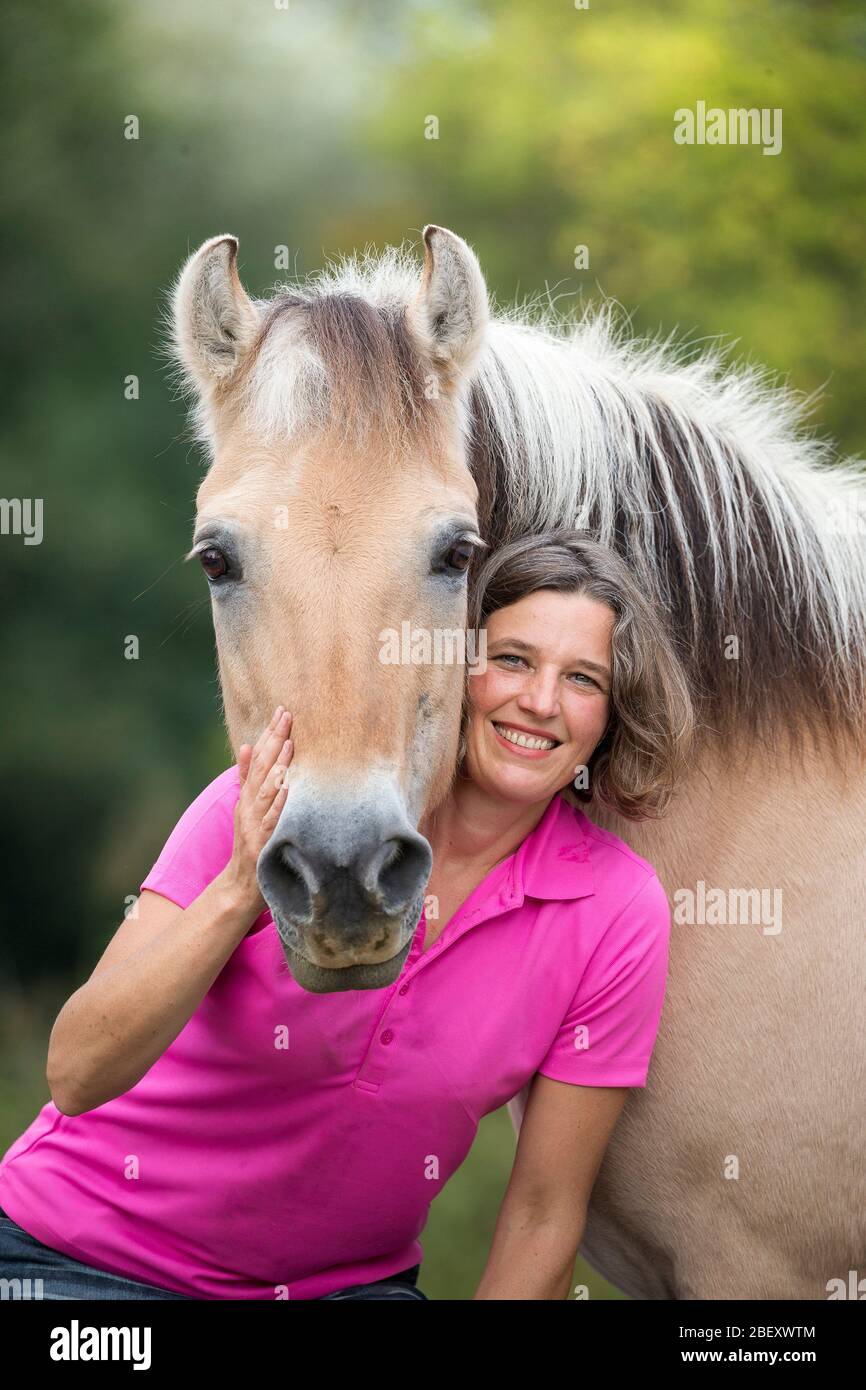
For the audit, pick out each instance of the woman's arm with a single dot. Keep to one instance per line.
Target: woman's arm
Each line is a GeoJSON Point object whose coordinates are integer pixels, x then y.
{"type": "Point", "coordinates": [563, 1137]}
{"type": "Point", "coordinates": [159, 965]}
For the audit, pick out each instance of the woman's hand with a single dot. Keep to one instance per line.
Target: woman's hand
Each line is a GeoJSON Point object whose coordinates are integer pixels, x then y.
{"type": "Point", "coordinates": [161, 962]}
{"type": "Point", "coordinates": [262, 771]}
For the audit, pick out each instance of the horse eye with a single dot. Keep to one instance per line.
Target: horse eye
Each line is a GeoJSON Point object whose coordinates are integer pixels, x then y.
{"type": "Point", "coordinates": [213, 562]}
{"type": "Point", "coordinates": [459, 556]}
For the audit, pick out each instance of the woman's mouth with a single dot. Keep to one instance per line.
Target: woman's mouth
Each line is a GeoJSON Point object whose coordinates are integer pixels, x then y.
{"type": "Point", "coordinates": [522, 742]}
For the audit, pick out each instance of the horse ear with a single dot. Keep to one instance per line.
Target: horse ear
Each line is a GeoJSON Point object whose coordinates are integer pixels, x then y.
{"type": "Point", "coordinates": [213, 319]}
{"type": "Point", "coordinates": [450, 311]}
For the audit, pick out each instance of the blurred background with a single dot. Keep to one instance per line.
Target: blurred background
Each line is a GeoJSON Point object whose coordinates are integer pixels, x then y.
{"type": "Point", "coordinates": [305, 126]}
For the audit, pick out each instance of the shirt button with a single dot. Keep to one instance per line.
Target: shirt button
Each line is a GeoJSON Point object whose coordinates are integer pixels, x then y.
{"type": "Point", "coordinates": [386, 1036]}
{"type": "Point", "coordinates": [402, 989]}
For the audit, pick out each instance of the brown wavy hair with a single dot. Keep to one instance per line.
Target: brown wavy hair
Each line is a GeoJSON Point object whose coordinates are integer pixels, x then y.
{"type": "Point", "coordinates": [644, 750]}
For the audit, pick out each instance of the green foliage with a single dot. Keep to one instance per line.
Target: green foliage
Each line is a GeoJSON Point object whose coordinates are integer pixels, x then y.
{"type": "Point", "coordinates": [556, 130]}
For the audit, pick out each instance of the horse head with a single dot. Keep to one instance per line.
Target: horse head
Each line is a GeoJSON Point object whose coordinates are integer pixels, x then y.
{"type": "Point", "coordinates": [338, 506]}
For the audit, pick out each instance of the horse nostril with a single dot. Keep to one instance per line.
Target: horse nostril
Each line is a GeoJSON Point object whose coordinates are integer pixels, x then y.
{"type": "Point", "coordinates": [397, 869]}
{"type": "Point", "coordinates": [281, 877]}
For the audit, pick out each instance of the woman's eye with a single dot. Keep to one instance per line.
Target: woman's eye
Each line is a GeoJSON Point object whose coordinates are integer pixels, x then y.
{"type": "Point", "coordinates": [459, 556]}
{"type": "Point", "coordinates": [213, 562]}
{"type": "Point", "coordinates": [508, 656]}
{"type": "Point", "coordinates": [581, 675]}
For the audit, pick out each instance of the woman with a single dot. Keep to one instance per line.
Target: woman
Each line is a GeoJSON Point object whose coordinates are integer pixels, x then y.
{"type": "Point", "coordinates": [219, 1132]}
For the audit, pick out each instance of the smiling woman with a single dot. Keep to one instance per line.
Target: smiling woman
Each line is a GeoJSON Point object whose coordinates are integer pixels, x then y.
{"type": "Point", "coordinates": [573, 641]}
{"type": "Point", "coordinates": [548, 679]}
{"type": "Point", "coordinates": [581, 694]}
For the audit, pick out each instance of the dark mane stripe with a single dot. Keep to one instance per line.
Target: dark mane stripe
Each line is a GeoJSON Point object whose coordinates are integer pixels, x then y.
{"type": "Point", "coordinates": [375, 376]}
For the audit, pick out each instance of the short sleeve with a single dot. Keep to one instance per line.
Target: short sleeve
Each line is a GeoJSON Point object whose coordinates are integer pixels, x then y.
{"type": "Point", "coordinates": [200, 845]}
{"type": "Point", "coordinates": [608, 1033]}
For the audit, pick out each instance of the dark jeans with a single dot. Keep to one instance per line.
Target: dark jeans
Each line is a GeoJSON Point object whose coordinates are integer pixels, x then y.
{"type": "Point", "coordinates": [42, 1273]}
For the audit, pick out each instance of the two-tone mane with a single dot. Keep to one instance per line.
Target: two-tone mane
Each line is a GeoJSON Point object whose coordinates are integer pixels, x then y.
{"type": "Point", "coordinates": [703, 477]}
{"type": "Point", "coordinates": [736, 519]}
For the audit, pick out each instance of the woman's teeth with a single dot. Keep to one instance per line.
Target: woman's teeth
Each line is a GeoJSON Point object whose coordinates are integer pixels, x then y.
{"type": "Point", "coordinates": [524, 740]}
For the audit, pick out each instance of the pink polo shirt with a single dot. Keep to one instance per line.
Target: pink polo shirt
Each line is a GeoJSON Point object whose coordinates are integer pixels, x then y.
{"type": "Point", "coordinates": [289, 1144]}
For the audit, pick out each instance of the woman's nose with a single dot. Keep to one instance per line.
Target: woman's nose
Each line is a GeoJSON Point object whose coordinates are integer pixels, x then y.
{"type": "Point", "coordinates": [541, 695]}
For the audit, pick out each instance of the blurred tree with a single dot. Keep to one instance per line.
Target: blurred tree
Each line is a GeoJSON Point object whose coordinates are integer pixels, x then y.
{"type": "Point", "coordinates": [556, 130]}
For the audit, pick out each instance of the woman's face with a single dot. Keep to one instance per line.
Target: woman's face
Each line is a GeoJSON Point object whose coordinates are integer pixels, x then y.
{"type": "Point", "coordinates": [547, 676]}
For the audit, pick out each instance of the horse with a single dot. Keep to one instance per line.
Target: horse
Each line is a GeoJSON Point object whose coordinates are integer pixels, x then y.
{"type": "Point", "coordinates": [369, 429]}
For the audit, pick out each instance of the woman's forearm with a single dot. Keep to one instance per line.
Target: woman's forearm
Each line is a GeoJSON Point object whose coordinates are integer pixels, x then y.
{"type": "Point", "coordinates": [112, 1030]}
{"type": "Point", "coordinates": [532, 1256]}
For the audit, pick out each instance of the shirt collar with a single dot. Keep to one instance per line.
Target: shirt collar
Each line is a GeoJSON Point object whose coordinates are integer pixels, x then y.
{"type": "Point", "coordinates": [554, 861]}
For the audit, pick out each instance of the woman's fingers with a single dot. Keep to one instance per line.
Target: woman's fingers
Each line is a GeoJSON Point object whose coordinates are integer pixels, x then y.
{"type": "Point", "coordinates": [248, 752]}
{"type": "Point", "coordinates": [276, 787]}
{"type": "Point", "coordinates": [245, 753]}
{"type": "Point", "coordinates": [268, 747]}
{"type": "Point", "coordinates": [262, 768]}
{"type": "Point", "coordinates": [272, 815]}
{"type": "Point", "coordinates": [268, 732]}
{"type": "Point", "coordinates": [274, 778]}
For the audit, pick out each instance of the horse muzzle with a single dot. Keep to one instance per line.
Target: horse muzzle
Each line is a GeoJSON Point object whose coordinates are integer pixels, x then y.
{"type": "Point", "coordinates": [344, 879]}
